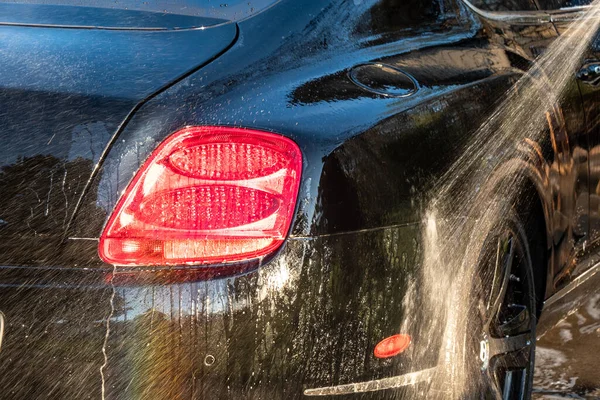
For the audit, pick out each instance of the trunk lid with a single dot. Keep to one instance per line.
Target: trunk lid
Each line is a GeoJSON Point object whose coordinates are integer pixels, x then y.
{"type": "Point", "coordinates": [69, 77]}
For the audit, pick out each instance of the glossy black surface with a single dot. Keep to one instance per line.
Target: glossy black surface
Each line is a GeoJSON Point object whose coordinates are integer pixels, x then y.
{"type": "Point", "coordinates": [42, 15]}
{"type": "Point", "coordinates": [383, 79]}
{"type": "Point", "coordinates": [63, 95]}
{"type": "Point", "coordinates": [91, 105]}
{"type": "Point", "coordinates": [232, 10]}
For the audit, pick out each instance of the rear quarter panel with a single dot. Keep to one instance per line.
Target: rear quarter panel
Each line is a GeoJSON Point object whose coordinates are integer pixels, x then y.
{"type": "Point", "coordinates": [348, 275]}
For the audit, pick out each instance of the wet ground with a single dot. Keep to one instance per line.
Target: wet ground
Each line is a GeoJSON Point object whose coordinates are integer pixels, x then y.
{"type": "Point", "coordinates": [568, 356]}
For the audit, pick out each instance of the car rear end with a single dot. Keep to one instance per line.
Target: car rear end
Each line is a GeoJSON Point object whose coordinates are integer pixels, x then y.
{"type": "Point", "coordinates": [173, 225]}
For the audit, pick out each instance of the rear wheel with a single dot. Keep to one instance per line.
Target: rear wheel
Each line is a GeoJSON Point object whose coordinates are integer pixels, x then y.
{"type": "Point", "coordinates": [500, 337]}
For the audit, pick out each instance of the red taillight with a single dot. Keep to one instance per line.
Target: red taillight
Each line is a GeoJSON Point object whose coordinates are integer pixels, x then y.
{"type": "Point", "coordinates": [206, 195]}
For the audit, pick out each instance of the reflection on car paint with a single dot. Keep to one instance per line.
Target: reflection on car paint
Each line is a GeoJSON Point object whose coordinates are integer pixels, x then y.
{"type": "Point", "coordinates": [311, 316]}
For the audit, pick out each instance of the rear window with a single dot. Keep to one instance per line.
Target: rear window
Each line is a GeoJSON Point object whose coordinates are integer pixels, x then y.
{"type": "Point", "coordinates": [232, 10]}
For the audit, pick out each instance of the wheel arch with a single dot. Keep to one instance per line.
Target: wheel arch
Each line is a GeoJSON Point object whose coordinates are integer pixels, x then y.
{"type": "Point", "coordinates": [533, 204]}
{"type": "Point", "coordinates": [535, 214]}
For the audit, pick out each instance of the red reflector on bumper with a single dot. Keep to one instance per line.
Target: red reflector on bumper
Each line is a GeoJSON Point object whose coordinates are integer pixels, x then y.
{"type": "Point", "coordinates": [392, 346]}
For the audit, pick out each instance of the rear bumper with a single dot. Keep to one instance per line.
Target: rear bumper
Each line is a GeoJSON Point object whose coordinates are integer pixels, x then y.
{"type": "Point", "coordinates": [307, 319]}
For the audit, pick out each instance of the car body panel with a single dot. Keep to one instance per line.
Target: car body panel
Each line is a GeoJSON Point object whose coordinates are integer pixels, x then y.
{"type": "Point", "coordinates": [232, 10]}
{"type": "Point", "coordinates": [264, 330]}
{"type": "Point", "coordinates": [590, 95]}
{"type": "Point", "coordinates": [63, 95]}
{"type": "Point", "coordinates": [77, 17]}
{"type": "Point", "coordinates": [348, 276]}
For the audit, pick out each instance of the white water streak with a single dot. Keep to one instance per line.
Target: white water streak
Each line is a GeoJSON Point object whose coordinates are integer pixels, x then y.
{"type": "Point", "coordinates": [470, 199]}
{"type": "Point", "coordinates": [107, 334]}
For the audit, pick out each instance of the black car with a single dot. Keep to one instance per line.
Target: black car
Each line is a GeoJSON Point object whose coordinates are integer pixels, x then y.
{"type": "Point", "coordinates": [226, 200]}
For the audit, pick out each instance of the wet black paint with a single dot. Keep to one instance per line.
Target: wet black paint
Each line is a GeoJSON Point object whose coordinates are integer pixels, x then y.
{"type": "Point", "coordinates": [311, 315]}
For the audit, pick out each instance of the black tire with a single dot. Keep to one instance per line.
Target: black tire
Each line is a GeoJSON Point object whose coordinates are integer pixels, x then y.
{"type": "Point", "coordinates": [499, 341]}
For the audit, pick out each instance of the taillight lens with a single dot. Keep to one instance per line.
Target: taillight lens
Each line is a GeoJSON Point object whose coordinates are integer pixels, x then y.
{"type": "Point", "coordinates": [206, 195]}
